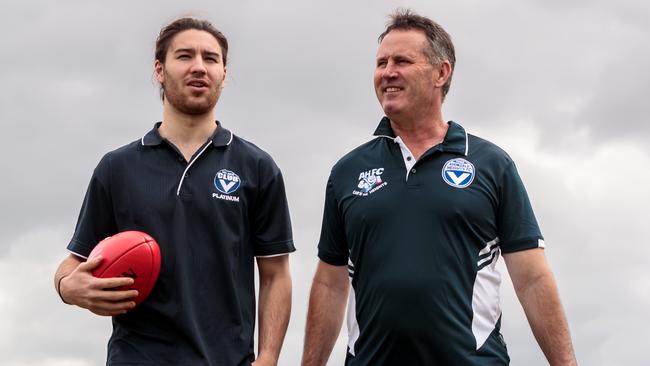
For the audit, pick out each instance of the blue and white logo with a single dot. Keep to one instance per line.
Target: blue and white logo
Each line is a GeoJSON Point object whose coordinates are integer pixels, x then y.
{"type": "Point", "coordinates": [458, 173]}
{"type": "Point", "coordinates": [226, 181]}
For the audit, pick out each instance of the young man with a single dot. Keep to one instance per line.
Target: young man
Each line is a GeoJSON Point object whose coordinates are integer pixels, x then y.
{"type": "Point", "coordinates": [212, 201]}
{"type": "Point", "coordinates": [416, 220]}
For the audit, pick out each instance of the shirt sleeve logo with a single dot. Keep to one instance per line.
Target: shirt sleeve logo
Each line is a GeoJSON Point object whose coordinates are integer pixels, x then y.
{"type": "Point", "coordinates": [458, 173]}
{"type": "Point", "coordinates": [226, 181]}
{"type": "Point", "coordinates": [369, 182]}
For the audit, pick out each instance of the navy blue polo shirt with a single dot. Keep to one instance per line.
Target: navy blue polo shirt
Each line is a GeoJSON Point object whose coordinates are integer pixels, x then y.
{"type": "Point", "coordinates": [211, 216]}
{"type": "Point", "coordinates": [421, 241]}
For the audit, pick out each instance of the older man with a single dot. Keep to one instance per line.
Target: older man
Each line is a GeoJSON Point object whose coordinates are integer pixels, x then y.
{"type": "Point", "coordinates": [416, 219]}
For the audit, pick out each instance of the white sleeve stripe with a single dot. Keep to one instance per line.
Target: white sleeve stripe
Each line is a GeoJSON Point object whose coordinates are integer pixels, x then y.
{"type": "Point", "coordinates": [272, 255]}
{"type": "Point", "coordinates": [77, 254]}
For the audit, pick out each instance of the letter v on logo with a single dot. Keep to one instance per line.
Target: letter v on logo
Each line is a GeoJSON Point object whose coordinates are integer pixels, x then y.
{"type": "Point", "coordinates": [458, 179]}
{"type": "Point", "coordinates": [227, 186]}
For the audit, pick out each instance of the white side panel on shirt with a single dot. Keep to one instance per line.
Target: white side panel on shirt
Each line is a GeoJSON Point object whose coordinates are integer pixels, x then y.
{"type": "Point", "coordinates": [353, 325]}
{"type": "Point", "coordinates": [485, 297]}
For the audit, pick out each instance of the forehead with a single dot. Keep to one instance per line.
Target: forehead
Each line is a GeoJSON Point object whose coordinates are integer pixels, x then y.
{"type": "Point", "coordinates": [407, 42]}
{"type": "Point", "coordinates": [195, 39]}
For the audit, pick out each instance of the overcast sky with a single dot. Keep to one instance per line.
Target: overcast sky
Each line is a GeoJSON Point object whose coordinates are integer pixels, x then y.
{"type": "Point", "coordinates": [563, 86]}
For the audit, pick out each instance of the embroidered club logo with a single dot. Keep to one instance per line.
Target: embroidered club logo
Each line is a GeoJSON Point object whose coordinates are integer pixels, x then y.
{"type": "Point", "coordinates": [226, 181]}
{"type": "Point", "coordinates": [458, 173]}
{"type": "Point", "coordinates": [369, 182]}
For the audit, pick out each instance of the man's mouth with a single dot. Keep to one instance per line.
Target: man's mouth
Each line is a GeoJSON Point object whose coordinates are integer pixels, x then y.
{"type": "Point", "coordinates": [392, 89]}
{"type": "Point", "coordinates": [198, 83]}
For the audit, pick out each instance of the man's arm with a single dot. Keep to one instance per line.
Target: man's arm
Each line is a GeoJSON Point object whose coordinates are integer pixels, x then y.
{"type": "Point", "coordinates": [536, 289]}
{"type": "Point", "coordinates": [274, 307]}
{"type": "Point", "coordinates": [76, 285]}
{"type": "Point", "coordinates": [329, 293]}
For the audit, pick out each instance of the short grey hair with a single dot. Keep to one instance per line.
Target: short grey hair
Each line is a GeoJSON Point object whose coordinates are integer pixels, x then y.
{"type": "Point", "coordinates": [440, 48]}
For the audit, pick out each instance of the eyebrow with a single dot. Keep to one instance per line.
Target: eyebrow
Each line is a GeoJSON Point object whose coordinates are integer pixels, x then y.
{"type": "Point", "coordinates": [192, 51]}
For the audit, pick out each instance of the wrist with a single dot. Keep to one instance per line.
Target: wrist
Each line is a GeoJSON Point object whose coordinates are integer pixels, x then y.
{"type": "Point", "coordinates": [265, 359]}
{"type": "Point", "coordinates": [58, 289]}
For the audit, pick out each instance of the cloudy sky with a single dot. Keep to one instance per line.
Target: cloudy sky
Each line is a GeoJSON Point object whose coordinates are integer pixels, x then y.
{"type": "Point", "coordinates": [562, 86]}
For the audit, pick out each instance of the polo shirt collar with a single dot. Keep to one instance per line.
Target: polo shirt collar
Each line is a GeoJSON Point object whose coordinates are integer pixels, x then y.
{"type": "Point", "coordinates": [455, 140]}
{"type": "Point", "coordinates": [221, 137]}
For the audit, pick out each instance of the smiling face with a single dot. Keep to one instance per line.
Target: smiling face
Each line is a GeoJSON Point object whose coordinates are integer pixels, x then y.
{"type": "Point", "coordinates": [193, 73]}
{"type": "Point", "coordinates": [406, 83]}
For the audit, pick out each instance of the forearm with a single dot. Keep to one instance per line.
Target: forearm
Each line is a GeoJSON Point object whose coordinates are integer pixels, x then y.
{"type": "Point", "coordinates": [541, 303]}
{"type": "Point", "coordinates": [65, 268]}
{"type": "Point", "coordinates": [324, 320]}
{"type": "Point", "coordinates": [274, 313]}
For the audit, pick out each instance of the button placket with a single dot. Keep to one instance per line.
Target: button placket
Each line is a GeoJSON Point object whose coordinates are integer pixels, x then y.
{"type": "Point", "coordinates": [407, 156]}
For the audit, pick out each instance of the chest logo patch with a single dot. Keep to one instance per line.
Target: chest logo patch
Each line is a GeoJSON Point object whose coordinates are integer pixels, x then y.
{"type": "Point", "coordinates": [458, 173]}
{"type": "Point", "coordinates": [370, 182]}
{"type": "Point", "coordinates": [226, 182]}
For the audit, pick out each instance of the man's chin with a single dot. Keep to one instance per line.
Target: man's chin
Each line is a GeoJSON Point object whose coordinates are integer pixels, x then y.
{"type": "Point", "coordinates": [390, 109]}
{"type": "Point", "coordinates": [196, 108]}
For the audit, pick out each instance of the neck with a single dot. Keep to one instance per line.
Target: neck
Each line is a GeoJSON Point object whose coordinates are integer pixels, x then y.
{"type": "Point", "coordinates": [186, 132]}
{"type": "Point", "coordinates": [186, 129]}
{"type": "Point", "coordinates": [420, 134]}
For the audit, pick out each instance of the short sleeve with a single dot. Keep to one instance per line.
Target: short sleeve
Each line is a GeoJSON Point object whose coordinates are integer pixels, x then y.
{"type": "Point", "coordinates": [517, 226]}
{"type": "Point", "coordinates": [96, 220]}
{"type": "Point", "coordinates": [272, 223]}
{"type": "Point", "coordinates": [332, 246]}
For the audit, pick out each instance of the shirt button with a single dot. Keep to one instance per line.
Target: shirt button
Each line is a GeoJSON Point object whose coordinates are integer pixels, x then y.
{"type": "Point", "coordinates": [187, 175]}
{"type": "Point", "coordinates": [180, 158]}
{"type": "Point", "coordinates": [408, 158]}
{"type": "Point", "coordinates": [413, 171]}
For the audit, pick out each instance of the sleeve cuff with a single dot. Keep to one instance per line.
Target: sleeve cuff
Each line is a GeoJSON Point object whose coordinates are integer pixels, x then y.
{"type": "Point", "coordinates": [523, 244]}
{"type": "Point", "coordinates": [79, 249]}
{"type": "Point", "coordinates": [273, 249]}
{"type": "Point", "coordinates": [334, 260]}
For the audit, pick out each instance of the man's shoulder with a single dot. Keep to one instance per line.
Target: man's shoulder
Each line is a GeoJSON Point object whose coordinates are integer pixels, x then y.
{"type": "Point", "coordinates": [250, 153]}
{"type": "Point", "coordinates": [479, 147]}
{"type": "Point", "coordinates": [121, 153]}
{"type": "Point", "coordinates": [360, 154]}
{"type": "Point", "coordinates": [127, 149]}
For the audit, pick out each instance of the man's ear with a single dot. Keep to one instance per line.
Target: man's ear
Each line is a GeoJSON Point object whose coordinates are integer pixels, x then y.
{"type": "Point", "coordinates": [444, 73]}
{"type": "Point", "coordinates": [159, 71]}
{"type": "Point", "coordinates": [225, 73]}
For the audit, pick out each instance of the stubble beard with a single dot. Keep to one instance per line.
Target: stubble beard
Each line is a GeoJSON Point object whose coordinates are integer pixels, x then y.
{"type": "Point", "coordinates": [188, 104]}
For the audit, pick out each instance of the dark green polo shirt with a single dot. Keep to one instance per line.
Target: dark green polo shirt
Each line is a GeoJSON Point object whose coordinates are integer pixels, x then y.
{"type": "Point", "coordinates": [421, 241]}
{"type": "Point", "coordinates": [211, 216]}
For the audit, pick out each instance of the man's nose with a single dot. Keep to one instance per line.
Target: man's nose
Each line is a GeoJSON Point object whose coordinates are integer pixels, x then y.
{"type": "Point", "coordinates": [390, 71]}
{"type": "Point", "coordinates": [198, 66]}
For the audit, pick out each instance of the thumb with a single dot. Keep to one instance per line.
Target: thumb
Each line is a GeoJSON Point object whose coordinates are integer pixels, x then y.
{"type": "Point", "coordinates": [90, 264]}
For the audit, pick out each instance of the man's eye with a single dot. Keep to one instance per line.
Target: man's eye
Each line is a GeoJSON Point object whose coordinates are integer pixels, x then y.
{"type": "Point", "coordinates": [212, 59]}
{"type": "Point", "coordinates": [183, 57]}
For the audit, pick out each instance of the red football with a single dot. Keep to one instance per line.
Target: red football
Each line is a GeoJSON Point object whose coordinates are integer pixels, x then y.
{"type": "Point", "coordinates": [129, 254]}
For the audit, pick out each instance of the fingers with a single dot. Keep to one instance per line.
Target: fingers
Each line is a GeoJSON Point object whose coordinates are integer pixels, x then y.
{"type": "Point", "coordinates": [90, 264]}
{"type": "Point", "coordinates": [115, 296]}
{"type": "Point", "coordinates": [112, 283]}
{"type": "Point", "coordinates": [103, 302]}
{"type": "Point", "coordinates": [104, 296]}
{"type": "Point", "coordinates": [109, 308]}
